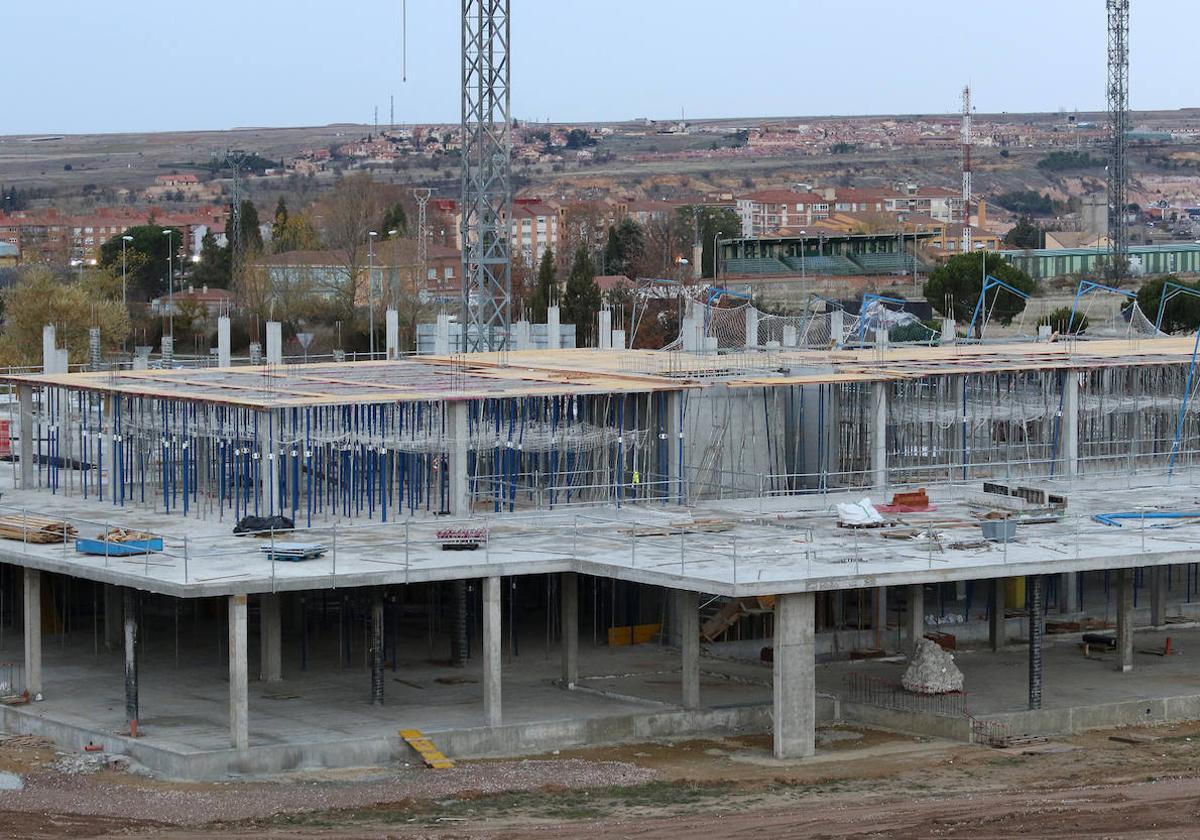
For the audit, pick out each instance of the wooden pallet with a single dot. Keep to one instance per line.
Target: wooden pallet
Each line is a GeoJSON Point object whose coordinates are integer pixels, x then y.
{"type": "Point", "coordinates": [430, 754]}
{"type": "Point", "coordinates": [34, 529]}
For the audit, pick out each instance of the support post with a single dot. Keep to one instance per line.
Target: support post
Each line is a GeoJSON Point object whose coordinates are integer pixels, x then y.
{"type": "Point", "coordinates": [132, 645]}
{"type": "Point", "coordinates": [673, 426]}
{"type": "Point", "coordinates": [879, 417]}
{"type": "Point", "coordinates": [553, 329]}
{"type": "Point", "coordinates": [569, 616]}
{"type": "Point", "coordinates": [392, 334]}
{"type": "Point", "coordinates": [459, 433]}
{"type": "Point", "coordinates": [270, 617]}
{"type": "Point", "coordinates": [879, 615]}
{"type": "Point", "coordinates": [274, 343]}
{"type": "Point", "coordinates": [377, 647]}
{"type": "Point", "coordinates": [1068, 587]}
{"type": "Point", "coordinates": [687, 613]}
{"type": "Point", "coordinates": [49, 350]}
{"type": "Point", "coordinates": [1125, 620]}
{"type": "Point", "coordinates": [604, 337]}
{"type": "Point", "coordinates": [997, 626]}
{"type": "Point", "coordinates": [33, 632]}
{"type": "Point", "coordinates": [113, 616]}
{"type": "Point", "coordinates": [1037, 627]}
{"type": "Point", "coordinates": [25, 401]}
{"type": "Point", "coordinates": [916, 614]}
{"type": "Point", "coordinates": [239, 703]}
{"type": "Point", "coordinates": [752, 330]}
{"type": "Point", "coordinates": [795, 695]}
{"type": "Point", "coordinates": [224, 345]}
{"type": "Point", "coordinates": [1158, 595]}
{"type": "Point", "coordinates": [1070, 422]}
{"type": "Point", "coordinates": [491, 651]}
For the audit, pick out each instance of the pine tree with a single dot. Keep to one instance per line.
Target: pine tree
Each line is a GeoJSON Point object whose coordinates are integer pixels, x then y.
{"type": "Point", "coordinates": [252, 241]}
{"type": "Point", "coordinates": [545, 292]}
{"type": "Point", "coordinates": [581, 299]}
{"type": "Point", "coordinates": [280, 225]}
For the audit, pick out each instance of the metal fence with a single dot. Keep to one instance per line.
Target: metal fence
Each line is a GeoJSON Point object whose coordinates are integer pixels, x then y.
{"type": "Point", "coordinates": [12, 682]}
{"type": "Point", "coordinates": [889, 694]}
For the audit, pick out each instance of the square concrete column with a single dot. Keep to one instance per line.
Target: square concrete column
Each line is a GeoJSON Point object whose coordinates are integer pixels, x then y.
{"type": "Point", "coordinates": [491, 651]}
{"type": "Point", "coordinates": [25, 444]}
{"type": "Point", "coordinates": [878, 418]}
{"type": "Point", "coordinates": [1068, 593]}
{"type": "Point", "coordinates": [239, 701]}
{"type": "Point", "coordinates": [270, 617]}
{"type": "Point", "coordinates": [113, 616]}
{"type": "Point", "coordinates": [459, 432]}
{"type": "Point", "coordinates": [1124, 619]}
{"type": "Point", "coordinates": [916, 614]}
{"type": "Point", "coordinates": [687, 611]}
{"type": "Point", "coordinates": [132, 648]}
{"type": "Point", "coordinates": [879, 615]}
{"type": "Point", "coordinates": [1070, 422]}
{"type": "Point", "coordinates": [795, 702]}
{"type": "Point", "coordinates": [673, 429]}
{"type": "Point", "coordinates": [569, 583]}
{"type": "Point", "coordinates": [33, 632]}
{"type": "Point", "coordinates": [1158, 595]}
{"type": "Point", "coordinates": [997, 626]}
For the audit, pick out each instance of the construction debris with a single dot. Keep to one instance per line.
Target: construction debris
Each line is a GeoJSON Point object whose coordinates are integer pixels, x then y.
{"type": "Point", "coordinates": [932, 670]}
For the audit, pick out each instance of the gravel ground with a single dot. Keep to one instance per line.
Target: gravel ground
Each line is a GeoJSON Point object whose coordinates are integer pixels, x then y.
{"type": "Point", "coordinates": [114, 794]}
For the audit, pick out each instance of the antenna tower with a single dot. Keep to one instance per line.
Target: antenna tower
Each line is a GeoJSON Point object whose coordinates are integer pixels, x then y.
{"type": "Point", "coordinates": [486, 183]}
{"type": "Point", "coordinates": [236, 159]}
{"type": "Point", "coordinates": [1118, 123]}
{"type": "Point", "coordinates": [421, 194]}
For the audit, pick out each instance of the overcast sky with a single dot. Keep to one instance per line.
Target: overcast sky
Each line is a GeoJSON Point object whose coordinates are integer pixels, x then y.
{"type": "Point", "coordinates": [136, 65]}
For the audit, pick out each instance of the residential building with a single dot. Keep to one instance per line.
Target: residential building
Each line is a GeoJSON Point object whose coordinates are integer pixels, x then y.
{"type": "Point", "coordinates": [767, 211]}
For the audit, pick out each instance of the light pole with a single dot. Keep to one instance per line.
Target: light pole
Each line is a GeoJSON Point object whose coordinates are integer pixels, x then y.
{"type": "Point", "coordinates": [371, 290]}
{"type": "Point", "coordinates": [170, 233]}
{"type": "Point", "coordinates": [803, 248]}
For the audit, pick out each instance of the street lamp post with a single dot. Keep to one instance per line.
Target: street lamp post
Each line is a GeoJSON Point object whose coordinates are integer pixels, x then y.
{"type": "Point", "coordinates": [803, 248]}
{"type": "Point", "coordinates": [170, 233]}
{"type": "Point", "coordinates": [371, 289]}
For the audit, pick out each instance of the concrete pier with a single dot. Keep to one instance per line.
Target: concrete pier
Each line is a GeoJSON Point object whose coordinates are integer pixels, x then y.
{"type": "Point", "coordinates": [915, 615]}
{"type": "Point", "coordinates": [113, 620]}
{"type": "Point", "coordinates": [491, 651]}
{"type": "Point", "coordinates": [33, 632]}
{"type": "Point", "coordinates": [132, 645]}
{"type": "Point", "coordinates": [224, 346]}
{"type": "Point", "coordinates": [270, 618]}
{"type": "Point", "coordinates": [1068, 593]}
{"type": "Point", "coordinates": [1158, 595]}
{"type": "Point", "coordinates": [239, 703]}
{"type": "Point", "coordinates": [997, 629]}
{"type": "Point", "coordinates": [569, 594]}
{"type": "Point", "coordinates": [1125, 619]}
{"type": "Point", "coordinates": [795, 697]}
{"type": "Point", "coordinates": [687, 612]}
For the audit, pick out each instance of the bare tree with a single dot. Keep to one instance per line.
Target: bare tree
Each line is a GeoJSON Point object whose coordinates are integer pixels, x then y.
{"type": "Point", "coordinates": [356, 205]}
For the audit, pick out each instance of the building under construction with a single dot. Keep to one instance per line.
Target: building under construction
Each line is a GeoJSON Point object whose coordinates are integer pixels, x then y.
{"type": "Point", "coordinates": [524, 551]}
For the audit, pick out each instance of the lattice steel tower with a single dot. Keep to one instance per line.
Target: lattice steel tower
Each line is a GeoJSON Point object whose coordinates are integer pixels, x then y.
{"type": "Point", "coordinates": [1118, 120]}
{"type": "Point", "coordinates": [486, 187]}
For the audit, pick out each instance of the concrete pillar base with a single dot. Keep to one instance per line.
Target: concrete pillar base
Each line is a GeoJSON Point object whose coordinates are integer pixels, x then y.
{"type": "Point", "coordinates": [239, 704]}
{"type": "Point", "coordinates": [795, 700]}
{"type": "Point", "coordinates": [569, 594]}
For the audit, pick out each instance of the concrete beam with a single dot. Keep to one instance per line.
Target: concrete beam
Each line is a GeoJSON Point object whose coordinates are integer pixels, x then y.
{"type": "Point", "coordinates": [687, 612]}
{"type": "Point", "coordinates": [795, 692]}
{"type": "Point", "coordinates": [33, 632]}
{"type": "Point", "coordinates": [1125, 620]}
{"type": "Point", "coordinates": [25, 452]}
{"type": "Point", "coordinates": [916, 615]}
{"type": "Point", "coordinates": [239, 701]}
{"type": "Point", "coordinates": [997, 627]}
{"type": "Point", "coordinates": [1034, 603]}
{"type": "Point", "coordinates": [1158, 595]}
{"type": "Point", "coordinates": [569, 616]}
{"type": "Point", "coordinates": [491, 651]}
{"type": "Point", "coordinates": [132, 649]}
{"type": "Point", "coordinates": [270, 618]}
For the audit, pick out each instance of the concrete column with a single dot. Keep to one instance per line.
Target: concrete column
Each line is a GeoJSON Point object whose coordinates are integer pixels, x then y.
{"type": "Point", "coordinates": [441, 338]}
{"type": "Point", "coordinates": [1158, 595]}
{"type": "Point", "coordinates": [224, 345]}
{"type": "Point", "coordinates": [270, 618]}
{"type": "Point", "coordinates": [878, 418]}
{"type": "Point", "coordinates": [687, 611]}
{"type": "Point", "coordinates": [132, 647]}
{"type": "Point", "coordinates": [673, 426]}
{"type": "Point", "coordinates": [618, 340]}
{"type": "Point", "coordinates": [949, 333]}
{"type": "Point", "coordinates": [916, 614]}
{"type": "Point", "coordinates": [1070, 422]}
{"type": "Point", "coordinates": [569, 584]}
{"type": "Point", "coordinates": [239, 701]}
{"type": "Point", "coordinates": [113, 616]}
{"type": "Point", "coordinates": [1034, 602]}
{"type": "Point", "coordinates": [274, 343]}
{"type": "Point", "coordinates": [752, 329]}
{"type": "Point", "coordinates": [377, 647]}
{"type": "Point", "coordinates": [522, 335]}
{"type": "Point", "coordinates": [997, 629]}
{"type": "Point", "coordinates": [1125, 619]}
{"type": "Point", "coordinates": [1068, 593]}
{"type": "Point", "coordinates": [27, 432]}
{"type": "Point", "coordinates": [879, 615]}
{"type": "Point", "coordinates": [795, 701]}
{"type": "Point", "coordinates": [837, 327]}
{"type": "Point", "coordinates": [49, 350]}
{"type": "Point", "coordinates": [33, 632]}
{"type": "Point", "coordinates": [491, 651]}
{"type": "Point", "coordinates": [459, 432]}
{"type": "Point", "coordinates": [553, 329]}
{"type": "Point", "coordinates": [391, 333]}
{"type": "Point", "coordinates": [604, 338]}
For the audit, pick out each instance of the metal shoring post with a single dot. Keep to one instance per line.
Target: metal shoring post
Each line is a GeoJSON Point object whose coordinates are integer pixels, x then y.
{"type": "Point", "coordinates": [406, 560]}
{"type": "Point", "coordinates": [24, 532]}
{"type": "Point", "coordinates": [682, 539]}
{"type": "Point", "coordinates": [106, 533]}
{"type": "Point", "coordinates": [632, 550]}
{"type": "Point", "coordinates": [185, 559]}
{"type": "Point", "coordinates": [733, 541]}
{"type": "Point", "coordinates": [333, 576]}
{"type": "Point", "coordinates": [272, 559]}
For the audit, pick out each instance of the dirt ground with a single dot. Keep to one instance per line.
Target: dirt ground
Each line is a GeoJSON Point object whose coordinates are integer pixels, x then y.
{"type": "Point", "coordinates": [863, 784]}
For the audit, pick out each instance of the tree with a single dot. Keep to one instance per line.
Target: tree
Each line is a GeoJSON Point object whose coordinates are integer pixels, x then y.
{"type": "Point", "coordinates": [953, 288]}
{"type": "Point", "coordinates": [578, 138]}
{"type": "Point", "coordinates": [281, 220]}
{"type": "Point", "coordinates": [1025, 234]}
{"type": "Point", "coordinates": [72, 306]}
{"type": "Point", "coordinates": [145, 258]}
{"type": "Point", "coordinates": [1182, 312]}
{"type": "Point", "coordinates": [625, 247]}
{"type": "Point", "coordinates": [710, 223]}
{"type": "Point", "coordinates": [252, 241]}
{"type": "Point", "coordinates": [298, 233]}
{"type": "Point", "coordinates": [1062, 322]}
{"type": "Point", "coordinates": [581, 298]}
{"type": "Point", "coordinates": [546, 289]}
{"type": "Point", "coordinates": [349, 214]}
{"type": "Point", "coordinates": [216, 264]}
{"type": "Point", "coordinates": [394, 219]}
